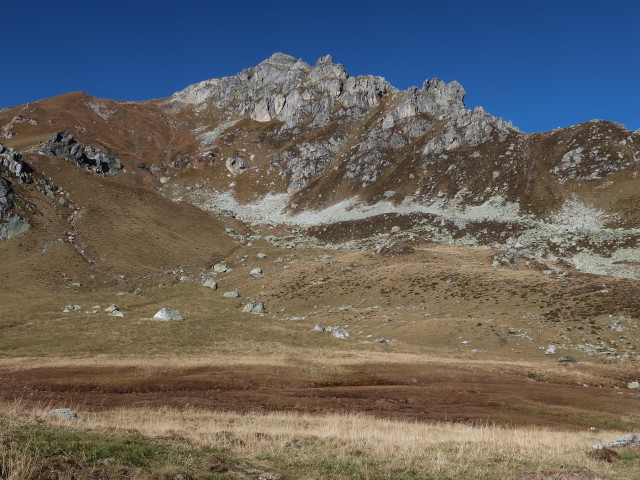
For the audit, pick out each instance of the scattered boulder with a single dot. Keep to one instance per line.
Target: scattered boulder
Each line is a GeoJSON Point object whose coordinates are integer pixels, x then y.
{"type": "Point", "coordinates": [340, 333]}
{"type": "Point", "coordinates": [567, 359]}
{"type": "Point", "coordinates": [64, 414]}
{"type": "Point", "coordinates": [256, 272]}
{"type": "Point", "coordinates": [166, 314]}
{"type": "Point", "coordinates": [254, 307]}
{"type": "Point", "coordinates": [111, 308]}
{"type": "Point", "coordinates": [231, 294]}
{"type": "Point", "coordinates": [382, 340]}
{"type": "Point", "coordinates": [212, 284]}
{"type": "Point", "coordinates": [71, 308]}
{"type": "Point", "coordinates": [116, 313]}
{"type": "Point", "coordinates": [631, 440]}
{"type": "Point", "coordinates": [220, 268]}
{"type": "Point", "coordinates": [262, 255]}
{"type": "Point", "coordinates": [319, 328]}
{"type": "Point", "coordinates": [235, 165]}
{"type": "Point", "coordinates": [395, 249]}
{"type": "Point", "coordinates": [551, 350]}
{"type": "Point", "coordinates": [633, 385]}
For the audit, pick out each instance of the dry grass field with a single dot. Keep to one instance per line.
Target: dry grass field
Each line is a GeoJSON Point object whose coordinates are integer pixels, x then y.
{"type": "Point", "coordinates": [346, 446]}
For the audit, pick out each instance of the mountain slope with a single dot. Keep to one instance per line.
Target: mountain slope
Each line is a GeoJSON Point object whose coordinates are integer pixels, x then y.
{"type": "Point", "coordinates": [287, 142]}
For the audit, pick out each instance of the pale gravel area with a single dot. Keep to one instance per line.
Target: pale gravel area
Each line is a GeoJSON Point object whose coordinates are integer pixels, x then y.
{"type": "Point", "coordinates": [573, 224]}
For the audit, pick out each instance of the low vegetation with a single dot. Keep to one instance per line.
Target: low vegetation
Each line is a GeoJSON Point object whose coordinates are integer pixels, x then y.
{"type": "Point", "coordinates": [196, 444]}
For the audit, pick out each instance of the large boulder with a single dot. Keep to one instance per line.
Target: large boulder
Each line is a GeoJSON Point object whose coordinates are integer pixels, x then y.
{"type": "Point", "coordinates": [167, 314]}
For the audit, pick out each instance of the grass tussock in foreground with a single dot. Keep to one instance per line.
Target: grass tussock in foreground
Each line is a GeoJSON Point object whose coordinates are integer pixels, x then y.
{"type": "Point", "coordinates": [162, 443]}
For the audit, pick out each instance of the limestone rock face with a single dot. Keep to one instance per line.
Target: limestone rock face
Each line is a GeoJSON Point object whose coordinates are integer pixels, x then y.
{"type": "Point", "coordinates": [283, 88]}
{"type": "Point", "coordinates": [426, 123]}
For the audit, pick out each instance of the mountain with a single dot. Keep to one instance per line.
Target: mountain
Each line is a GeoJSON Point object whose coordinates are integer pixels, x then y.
{"type": "Point", "coordinates": [331, 243]}
{"type": "Point", "coordinates": [349, 161]}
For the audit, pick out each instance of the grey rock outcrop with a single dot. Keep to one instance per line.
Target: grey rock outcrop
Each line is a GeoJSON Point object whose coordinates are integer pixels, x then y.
{"type": "Point", "coordinates": [62, 144]}
{"type": "Point", "coordinates": [14, 165]}
{"type": "Point", "coordinates": [287, 90]}
{"type": "Point", "coordinates": [6, 201]}
{"type": "Point", "coordinates": [11, 166]}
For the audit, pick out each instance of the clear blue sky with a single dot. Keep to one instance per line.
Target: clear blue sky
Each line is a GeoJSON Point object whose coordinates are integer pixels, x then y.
{"type": "Point", "coordinates": [541, 64]}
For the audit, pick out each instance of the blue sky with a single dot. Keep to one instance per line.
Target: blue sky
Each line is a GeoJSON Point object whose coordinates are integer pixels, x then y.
{"type": "Point", "coordinates": [540, 64]}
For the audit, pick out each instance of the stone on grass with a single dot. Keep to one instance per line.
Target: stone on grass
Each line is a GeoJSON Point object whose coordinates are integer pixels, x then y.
{"type": "Point", "coordinates": [71, 308]}
{"type": "Point", "coordinates": [551, 350]}
{"type": "Point", "coordinates": [256, 272]}
{"type": "Point", "coordinates": [262, 255]}
{"type": "Point", "coordinates": [631, 440]}
{"type": "Point", "coordinates": [220, 268]}
{"type": "Point", "coordinates": [567, 359]}
{"type": "Point", "coordinates": [116, 313]}
{"type": "Point", "coordinates": [168, 314]}
{"type": "Point", "coordinates": [382, 340]}
{"type": "Point", "coordinates": [254, 307]}
{"type": "Point", "coordinates": [633, 385]}
{"type": "Point", "coordinates": [111, 308]}
{"type": "Point", "coordinates": [212, 284]}
{"type": "Point", "coordinates": [64, 413]}
{"type": "Point", "coordinates": [340, 333]}
{"type": "Point", "coordinates": [319, 328]}
{"type": "Point", "coordinates": [231, 294]}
